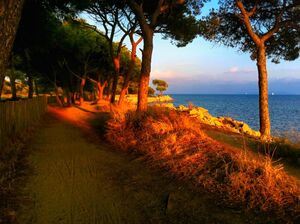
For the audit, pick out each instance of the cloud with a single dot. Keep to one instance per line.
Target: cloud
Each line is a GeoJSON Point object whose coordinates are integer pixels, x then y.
{"type": "Point", "coordinates": [234, 69]}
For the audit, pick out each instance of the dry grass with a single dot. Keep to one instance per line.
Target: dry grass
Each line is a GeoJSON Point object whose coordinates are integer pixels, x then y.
{"type": "Point", "coordinates": [174, 141]}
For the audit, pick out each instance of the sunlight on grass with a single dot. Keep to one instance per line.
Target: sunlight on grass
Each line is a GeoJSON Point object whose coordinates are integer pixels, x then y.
{"type": "Point", "coordinates": [174, 141]}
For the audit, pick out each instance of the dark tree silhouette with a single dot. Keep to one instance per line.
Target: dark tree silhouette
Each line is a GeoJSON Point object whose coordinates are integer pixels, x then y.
{"type": "Point", "coordinates": [10, 14]}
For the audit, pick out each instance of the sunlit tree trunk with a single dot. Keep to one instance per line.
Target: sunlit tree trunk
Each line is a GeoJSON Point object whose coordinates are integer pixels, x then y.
{"type": "Point", "coordinates": [130, 69]}
{"type": "Point", "coordinates": [10, 14]}
{"type": "Point", "coordinates": [101, 89]}
{"type": "Point", "coordinates": [124, 89]}
{"type": "Point", "coordinates": [264, 116]}
{"type": "Point", "coordinates": [116, 78]}
{"type": "Point", "coordinates": [146, 69]}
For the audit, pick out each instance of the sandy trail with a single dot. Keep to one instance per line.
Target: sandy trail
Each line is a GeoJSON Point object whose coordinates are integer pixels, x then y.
{"type": "Point", "coordinates": [78, 178]}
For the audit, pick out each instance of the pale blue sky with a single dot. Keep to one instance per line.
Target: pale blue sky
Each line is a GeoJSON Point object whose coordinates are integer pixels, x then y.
{"type": "Point", "coordinates": [204, 67]}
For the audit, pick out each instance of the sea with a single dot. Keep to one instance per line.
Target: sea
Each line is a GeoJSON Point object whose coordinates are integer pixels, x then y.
{"type": "Point", "coordinates": [284, 109]}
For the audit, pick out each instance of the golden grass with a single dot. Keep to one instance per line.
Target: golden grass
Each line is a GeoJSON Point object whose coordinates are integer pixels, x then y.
{"type": "Point", "coordinates": [174, 141]}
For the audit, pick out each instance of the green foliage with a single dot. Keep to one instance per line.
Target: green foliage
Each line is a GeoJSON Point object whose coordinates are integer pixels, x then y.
{"type": "Point", "coordinates": [161, 85]}
{"type": "Point", "coordinates": [151, 91]}
{"type": "Point", "coordinates": [224, 25]}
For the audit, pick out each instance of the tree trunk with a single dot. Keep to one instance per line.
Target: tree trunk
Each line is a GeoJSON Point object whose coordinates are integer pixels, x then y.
{"type": "Point", "coordinates": [1, 85]}
{"type": "Point", "coordinates": [116, 78]}
{"type": "Point", "coordinates": [30, 85]}
{"type": "Point", "coordinates": [123, 93]}
{"type": "Point", "coordinates": [36, 88]}
{"type": "Point", "coordinates": [130, 69]}
{"type": "Point", "coordinates": [264, 116]}
{"type": "Point", "coordinates": [58, 100]}
{"type": "Point", "coordinates": [101, 89]}
{"type": "Point", "coordinates": [82, 83]}
{"type": "Point", "coordinates": [108, 89]}
{"type": "Point", "coordinates": [146, 68]}
{"type": "Point", "coordinates": [68, 97]}
{"type": "Point", "coordinates": [10, 14]}
{"type": "Point", "coordinates": [13, 86]}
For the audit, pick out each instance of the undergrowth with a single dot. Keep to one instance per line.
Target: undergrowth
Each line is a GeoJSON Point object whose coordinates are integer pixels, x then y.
{"type": "Point", "coordinates": [173, 140]}
{"type": "Point", "coordinates": [13, 170]}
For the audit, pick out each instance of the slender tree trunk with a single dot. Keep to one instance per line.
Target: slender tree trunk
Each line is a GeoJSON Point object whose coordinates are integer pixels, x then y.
{"type": "Point", "coordinates": [146, 69]}
{"type": "Point", "coordinates": [264, 116]}
{"type": "Point", "coordinates": [130, 69]}
{"type": "Point", "coordinates": [124, 91]}
{"type": "Point", "coordinates": [116, 78]}
{"type": "Point", "coordinates": [30, 85]}
{"type": "Point", "coordinates": [68, 97]}
{"type": "Point", "coordinates": [1, 85]}
{"type": "Point", "coordinates": [36, 88]}
{"type": "Point", "coordinates": [101, 89]}
{"type": "Point", "coordinates": [13, 87]}
{"type": "Point", "coordinates": [58, 100]}
{"type": "Point", "coordinates": [108, 89]}
{"type": "Point", "coordinates": [10, 14]}
{"type": "Point", "coordinates": [82, 83]}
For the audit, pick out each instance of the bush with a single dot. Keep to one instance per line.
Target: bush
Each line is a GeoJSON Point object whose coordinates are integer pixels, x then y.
{"type": "Point", "coordinates": [173, 140]}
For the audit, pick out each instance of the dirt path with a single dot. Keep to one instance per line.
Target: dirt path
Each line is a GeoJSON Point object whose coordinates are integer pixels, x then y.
{"type": "Point", "coordinates": [80, 180]}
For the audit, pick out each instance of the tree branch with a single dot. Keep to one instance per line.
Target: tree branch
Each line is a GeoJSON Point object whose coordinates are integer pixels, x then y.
{"type": "Point", "coordinates": [247, 22]}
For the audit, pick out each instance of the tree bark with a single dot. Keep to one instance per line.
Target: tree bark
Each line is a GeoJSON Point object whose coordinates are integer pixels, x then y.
{"type": "Point", "coordinates": [146, 68]}
{"type": "Point", "coordinates": [68, 96]}
{"type": "Point", "coordinates": [82, 83]}
{"type": "Point", "coordinates": [124, 89]}
{"type": "Point", "coordinates": [58, 100]}
{"type": "Point", "coordinates": [101, 89]}
{"type": "Point", "coordinates": [13, 86]}
{"type": "Point", "coordinates": [108, 89]}
{"type": "Point", "coordinates": [116, 78]}
{"type": "Point", "coordinates": [36, 88]}
{"type": "Point", "coordinates": [130, 69]}
{"type": "Point", "coordinates": [1, 85]}
{"type": "Point", "coordinates": [264, 116]}
{"type": "Point", "coordinates": [30, 85]}
{"type": "Point", "coordinates": [10, 14]}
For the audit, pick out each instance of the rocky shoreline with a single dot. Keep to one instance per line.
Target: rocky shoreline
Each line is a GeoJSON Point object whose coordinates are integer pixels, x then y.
{"type": "Point", "coordinates": [224, 123]}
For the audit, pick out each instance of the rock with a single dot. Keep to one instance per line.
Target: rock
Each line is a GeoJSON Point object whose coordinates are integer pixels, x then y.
{"type": "Point", "coordinates": [168, 105]}
{"type": "Point", "coordinates": [182, 108]}
{"type": "Point", "coordinates": [200, 113]}
{"type": "Point", "coordinates": [246, 129]}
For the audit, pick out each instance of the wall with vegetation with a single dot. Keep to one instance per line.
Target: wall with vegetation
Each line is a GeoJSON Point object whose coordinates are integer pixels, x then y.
{"type": "Point", "coordinates": [17, 116]}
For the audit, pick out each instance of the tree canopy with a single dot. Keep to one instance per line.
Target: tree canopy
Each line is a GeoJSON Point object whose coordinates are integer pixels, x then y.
{"type": "Point", "coordinates": [265, 28]}
{"type": "Point", "coordinates": [245, 24]}
{"type": "Point", "coordinates": [160, 85]}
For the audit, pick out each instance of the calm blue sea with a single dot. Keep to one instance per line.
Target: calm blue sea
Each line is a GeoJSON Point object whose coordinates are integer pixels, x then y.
{"type": "Point", "coordinates": [284, 109]}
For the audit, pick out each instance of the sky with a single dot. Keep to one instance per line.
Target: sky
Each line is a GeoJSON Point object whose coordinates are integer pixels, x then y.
{"type": "Point", "coordinates": [203, 67]}
{"type": "Point", "coordinates": [206, 68]}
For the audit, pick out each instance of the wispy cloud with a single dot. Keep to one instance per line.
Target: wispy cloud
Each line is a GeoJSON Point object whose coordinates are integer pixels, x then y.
{"type": "Point", "coordinates": [238, 70]}
{"type": "Point", "coordinates": [234, 69]}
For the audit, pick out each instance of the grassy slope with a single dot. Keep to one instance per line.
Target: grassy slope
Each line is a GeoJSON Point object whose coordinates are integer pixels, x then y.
{"type": "Point", "coordinates": [77, 180]}
{"type": "Point", "coordinates": [246, 143]}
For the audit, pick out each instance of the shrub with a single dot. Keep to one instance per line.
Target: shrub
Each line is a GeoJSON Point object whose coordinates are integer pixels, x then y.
{"type": "Point", "coordinates": [173, 140]}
